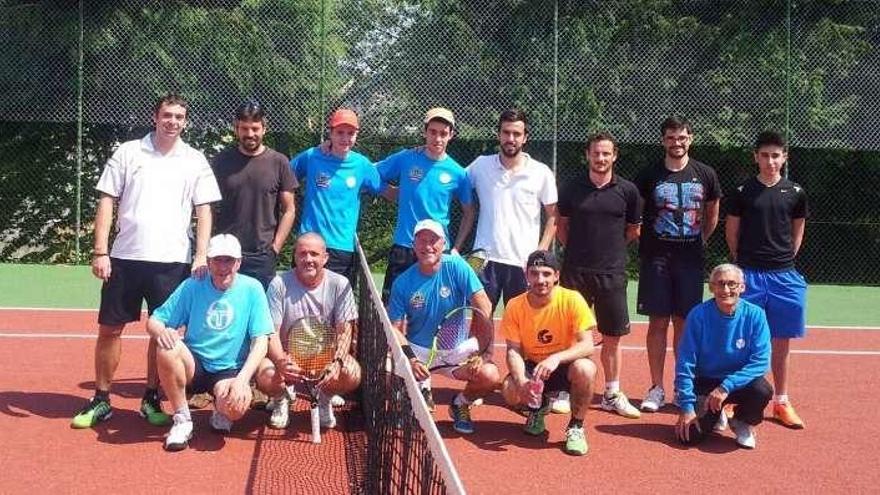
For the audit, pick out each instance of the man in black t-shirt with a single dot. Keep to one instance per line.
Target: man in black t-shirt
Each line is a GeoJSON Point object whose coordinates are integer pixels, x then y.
{"type": "Point", "coordinates": [764, 230]}
{"type": "Point", "coordinates": [600, 214]}
{"type": "Point", "coordinates": [257, 187]}
{"type": "Point", "coordinates": [681, 198]}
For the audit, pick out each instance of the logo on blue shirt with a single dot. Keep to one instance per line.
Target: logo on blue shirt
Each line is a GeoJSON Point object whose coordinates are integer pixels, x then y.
{"type": "Point", "coordinates": [220, 315]}
{"type": "Point", "coordinates": [323, 180]}
{"type": "Point", "coordinates": [416, 174]}
{"type": "Point", "coordinates": [417, 301]}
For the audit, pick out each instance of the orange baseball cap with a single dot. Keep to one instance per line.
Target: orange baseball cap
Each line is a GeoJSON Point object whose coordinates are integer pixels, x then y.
{"type": "Point", "coordinates": [344, 116]}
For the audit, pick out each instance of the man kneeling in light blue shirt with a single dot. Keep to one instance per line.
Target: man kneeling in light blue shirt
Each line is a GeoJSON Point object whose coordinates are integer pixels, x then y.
{"type": "Point", "coordinates": [722, 359]}
{"type": "Point", "coordinates": [227, 322]}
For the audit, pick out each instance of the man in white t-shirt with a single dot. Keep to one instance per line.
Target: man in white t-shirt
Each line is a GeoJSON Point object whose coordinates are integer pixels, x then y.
{"type": "Point", "coordinates": [512, 188]}
{"type": "Point", "coordinates": [309, 290]}
{"type": "Point", "coordinates": [155, 183]}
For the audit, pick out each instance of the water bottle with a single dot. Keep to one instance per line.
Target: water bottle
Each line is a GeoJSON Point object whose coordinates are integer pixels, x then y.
{"type": "Point", "coordinates": [536, 393]}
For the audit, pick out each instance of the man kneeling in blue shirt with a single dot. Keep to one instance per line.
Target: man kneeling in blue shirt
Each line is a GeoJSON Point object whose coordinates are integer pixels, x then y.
{"type": "Point", "coordinates": [722, 359]}
{"type": "Point", "coordinates": [227, 322]}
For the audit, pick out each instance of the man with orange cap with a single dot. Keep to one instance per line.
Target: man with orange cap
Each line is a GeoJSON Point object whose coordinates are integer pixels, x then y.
{"type": "Point", "coordinates": [333, 177]}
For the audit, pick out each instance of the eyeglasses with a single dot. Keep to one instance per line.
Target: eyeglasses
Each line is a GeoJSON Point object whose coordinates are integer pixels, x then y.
{"type": "Point", "coordinates": [727, 284]}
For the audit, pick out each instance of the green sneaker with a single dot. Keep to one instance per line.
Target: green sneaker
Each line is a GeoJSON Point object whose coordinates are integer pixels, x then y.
{"type": "Point", "coordinates": [94, 412]}
{"type": "Point", "coordinates": [576, 441]}
{"type": "Point", "coordinates": [153, 413]}
{"type": "Point", "coordinates": [535, 422]}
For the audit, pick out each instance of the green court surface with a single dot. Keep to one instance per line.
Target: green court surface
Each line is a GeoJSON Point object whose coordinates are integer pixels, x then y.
{"type": "Point", "coordinates": [64, 286]}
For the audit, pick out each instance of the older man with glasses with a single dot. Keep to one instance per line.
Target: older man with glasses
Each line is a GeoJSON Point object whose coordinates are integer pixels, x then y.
{"type": "Point", "coordinates": [722, 358]}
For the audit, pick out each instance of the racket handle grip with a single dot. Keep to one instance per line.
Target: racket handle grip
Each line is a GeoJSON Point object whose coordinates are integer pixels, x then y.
{"type": "Point", "coordinates": [316, 424]}
{"type": "Point", "coordinates": [536, 393]}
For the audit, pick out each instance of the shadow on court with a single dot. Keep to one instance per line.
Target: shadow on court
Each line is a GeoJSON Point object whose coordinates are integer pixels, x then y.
{"type": "Point", "coordinates": [49, 405]}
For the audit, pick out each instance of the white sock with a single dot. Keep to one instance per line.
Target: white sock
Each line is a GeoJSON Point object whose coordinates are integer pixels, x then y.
{"type": "Point", "coordinates": [461, 400]}
{"type": "Point", "coordinates": [612, 387]}
{"type": "Point", "coordinates": [780, 399]}
{"type": "Point", "coordinates": [183, 413]}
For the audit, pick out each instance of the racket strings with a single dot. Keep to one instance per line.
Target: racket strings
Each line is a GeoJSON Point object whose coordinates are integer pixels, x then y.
{"type": "Point", "coordinates": [453, 331]}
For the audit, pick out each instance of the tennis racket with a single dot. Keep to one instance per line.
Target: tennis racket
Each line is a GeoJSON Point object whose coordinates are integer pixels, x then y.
{"type": "Point", "coordinates": [311, 345]}
{"type": "Point", "coordinates": [477, 259]}
{"type": "Point", "coordinates": [462, 338]}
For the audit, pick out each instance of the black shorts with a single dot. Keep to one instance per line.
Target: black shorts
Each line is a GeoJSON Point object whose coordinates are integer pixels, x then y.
{"type": "Point", "coordinates": [605, 293]}
{"type": "Point", "coordinates": [133, 281]}
{"type": "Point", "coordinates": [261, 266]}
{"type": "Point", "coordinates": [500, 278]}
{"type": "Point", "coordinates": [399, 259]}
{"type": "Point", "coordinates": [341, 262]}
{"type": "Point", "coordinates": [558, 381]}
{"type": "Point", "coordinates": [670, 284]}
{"type": "Point", "coordinates": [203, 381]}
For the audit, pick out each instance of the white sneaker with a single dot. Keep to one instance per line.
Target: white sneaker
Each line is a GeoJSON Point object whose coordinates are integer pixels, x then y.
{"type": "Point", "coordinates": [745, 433]}
{"type": "Point", "coordinates": [325, 410]}
{"type": "Point", "coordinates": [280, 417]}
{"type": "Point", "coordinates": [220, 423]}
{"type": "Point", "coordinates": [337, 401]}
{"type": "Point", "coordinates": [179, 435]}
{"type": "Point", "coordinates": [654, 399]}
{"type": "Point", "coordinates": [561, 403]}
{"type": "Point", "coordinates": [617, 402]}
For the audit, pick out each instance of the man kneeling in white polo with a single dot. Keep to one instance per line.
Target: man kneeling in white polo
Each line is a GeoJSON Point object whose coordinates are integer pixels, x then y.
{"type": "Point", "coordinates": [223, 314]}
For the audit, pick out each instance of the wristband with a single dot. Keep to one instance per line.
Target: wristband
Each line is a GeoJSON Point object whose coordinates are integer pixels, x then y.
{"type": "Point", "coordinates": [408, 352]}
{"type": "Point", "coordinates": [98, 255]}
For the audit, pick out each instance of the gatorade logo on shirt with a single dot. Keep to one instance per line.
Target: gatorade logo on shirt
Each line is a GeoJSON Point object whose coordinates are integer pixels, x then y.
{"type": "Point", "coordinates": [417, 301]}
{"type": "Point", "coordinates": [545, 337]}
{"type": "Point", "coordinates": [445, 178]}
{"type": "Point", "coordinates": [445, 292]}
{"type": "Point", "coordinates": [416, 174]}
{"type": "Point", "coordinates": [323, 180]}
{"type": "Point", "coordinates": [220, 315]}
{"type": "Point", "coordinates": [350, 182]}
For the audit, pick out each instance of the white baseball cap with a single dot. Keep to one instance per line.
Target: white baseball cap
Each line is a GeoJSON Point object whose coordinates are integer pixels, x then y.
{"type": "Point", "coordinates": [224, 245]}
{"type": "Point", "coordinates": [432, 225]}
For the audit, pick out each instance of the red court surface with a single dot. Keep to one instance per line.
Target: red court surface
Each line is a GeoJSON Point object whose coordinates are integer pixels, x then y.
{"type": "Point", "coordinates": [46, 373]}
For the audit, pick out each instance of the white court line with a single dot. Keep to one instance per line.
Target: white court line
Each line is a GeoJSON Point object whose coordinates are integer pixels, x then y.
{"type": "Point", "coordinates": [820, 352]}
{"type": "Point", "coordinates": [639, 322]}
{"type": "Point", "coordinates": [64, 336]}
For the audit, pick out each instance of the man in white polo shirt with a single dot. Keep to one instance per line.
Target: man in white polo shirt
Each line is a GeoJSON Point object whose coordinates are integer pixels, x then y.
{"type": "Point", "coordinates": [512, 187]}
{"type": "Point", "coordinates": [154, 182]}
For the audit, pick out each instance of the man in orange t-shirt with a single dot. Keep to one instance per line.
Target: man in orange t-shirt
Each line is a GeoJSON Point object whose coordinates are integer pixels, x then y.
{"type": "Point", "coordinates": [548, 343]}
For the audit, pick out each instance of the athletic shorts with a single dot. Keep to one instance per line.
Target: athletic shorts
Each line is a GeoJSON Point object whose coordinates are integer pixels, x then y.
{"type": "Point", "coordinates": [204, 381]}
{"type": "Point", "coordinates": [261, 266]}
{"type": "Point", "coordinates": [341, 262]}
{"type": "Point", "coordinates": [670, 284]}
{"type": "Point", "coordinates": [133, 281]}
{"type": "Point", "coordinates": [501, 278]}
{"type": "Point", "coordinates": [558, 381]}
{"type": "Point", "coordinates": [450, 357]}
{"type": "Point", "coordinates": [605, 293]}
{"type": "Point", "coordinates": [399, 259]}
{"type": "Point", "coordinates": [783, 296]}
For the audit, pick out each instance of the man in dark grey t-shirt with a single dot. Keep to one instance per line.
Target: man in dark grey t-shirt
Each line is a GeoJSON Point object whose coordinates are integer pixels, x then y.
{"type": "Point", "coordinates": [257, 187]}
{"type": "Point", "coordinates": [309, 290]}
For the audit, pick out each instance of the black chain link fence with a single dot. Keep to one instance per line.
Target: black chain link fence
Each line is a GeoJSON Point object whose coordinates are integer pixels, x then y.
{"type": "Point", "coordinates": [77, 78]}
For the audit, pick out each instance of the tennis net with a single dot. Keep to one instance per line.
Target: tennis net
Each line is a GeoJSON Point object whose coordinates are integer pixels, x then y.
{"type": "Point", "coordinates": [405, 453]}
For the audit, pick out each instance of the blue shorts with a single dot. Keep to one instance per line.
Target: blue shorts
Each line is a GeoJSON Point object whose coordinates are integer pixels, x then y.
{"type": "Point", "coordinates": [204, 381]}
{"type": "Point", "coordinates": [670, 284]}
{"type": "Point", "coordinates": [783, 296]}
{"type": "Point", "coordinates": [500, 278]}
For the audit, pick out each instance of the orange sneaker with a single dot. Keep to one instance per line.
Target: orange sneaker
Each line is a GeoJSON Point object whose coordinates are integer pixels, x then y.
{"type": "Point", "coordinates": [784, 413]}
